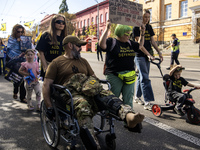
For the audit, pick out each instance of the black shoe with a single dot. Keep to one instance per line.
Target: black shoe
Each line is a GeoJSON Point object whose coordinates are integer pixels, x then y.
{"type": "Point", "coordinates": [23, 100]}
{"type": "Point", "coordinates": [168, 68]}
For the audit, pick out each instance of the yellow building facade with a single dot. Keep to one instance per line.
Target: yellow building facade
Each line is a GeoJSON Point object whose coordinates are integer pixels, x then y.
{"type": "Point", "coordinates": [181, 17]}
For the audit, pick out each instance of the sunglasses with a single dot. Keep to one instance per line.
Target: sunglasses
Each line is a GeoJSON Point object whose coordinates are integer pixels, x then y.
{"type": "Point", "coordinates": [127, 34]}
{"type": "Point", "coordinates": [78, 45]}
{"type": "Point", "coordinates": [19, 31]}
{"type": "Point", "coordinates": [60, 21]}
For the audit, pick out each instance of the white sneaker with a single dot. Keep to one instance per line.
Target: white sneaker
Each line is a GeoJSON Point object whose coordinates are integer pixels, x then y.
{"type": "Point", "coordinates": [148, 106]}
{"type": "Point", "coordinates": [138, 100]}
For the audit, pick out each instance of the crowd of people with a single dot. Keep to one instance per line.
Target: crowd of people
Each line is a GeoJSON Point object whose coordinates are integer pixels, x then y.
{"type": "Point", "coordinates": [61, 63]}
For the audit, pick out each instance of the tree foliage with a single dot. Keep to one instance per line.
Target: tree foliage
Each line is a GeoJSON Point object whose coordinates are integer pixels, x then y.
{"type": "Point", "coordinates": [63, 7]}
{"type": "Point", "coordinates": [69, 22]}
{"type": "Point", "coordinates": [91, 30]}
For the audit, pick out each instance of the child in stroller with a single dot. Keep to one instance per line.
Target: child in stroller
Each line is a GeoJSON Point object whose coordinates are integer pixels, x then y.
{"type": "Point", "coordinates": [175, 88]}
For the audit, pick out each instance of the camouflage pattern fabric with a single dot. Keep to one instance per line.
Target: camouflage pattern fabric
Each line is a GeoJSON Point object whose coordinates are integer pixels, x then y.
{"type": "Point", "coordinates": [84, 104]}
{"type": "Point", "coordinates": [89, 86]}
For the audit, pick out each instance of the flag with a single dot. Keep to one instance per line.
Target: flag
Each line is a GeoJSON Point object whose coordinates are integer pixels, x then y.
{"type": "Point", "coordinates": [29, 24]}
{"type": "Point", "coordinates": [38, 37]}
{"type": "Point", "coordinates": [3, 27]}
{"type": "Point", "coordinates": [37, 30]}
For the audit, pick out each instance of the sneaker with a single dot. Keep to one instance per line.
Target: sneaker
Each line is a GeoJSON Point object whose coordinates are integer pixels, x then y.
{"type": "Point", "coordinates": [168, 68]}
{"type": "Point", "coordinates": [148, 106]}
{"type": "Point", "coordinates": [30, 107]}
{"type": "Point", "coordinates": [179, 111]}
{"type": "Point", "coordinates": [138, 100]}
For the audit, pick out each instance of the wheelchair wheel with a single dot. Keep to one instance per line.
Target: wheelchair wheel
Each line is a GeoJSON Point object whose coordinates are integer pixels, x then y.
{"type": "Point", "coordinates": [194, 118]}
{"type": "Point", "coordinates": [110, 142]}
{"type": "Point", "coordinates": [50, 128]}
{"type": "Point", "coordinates": [156, 110]}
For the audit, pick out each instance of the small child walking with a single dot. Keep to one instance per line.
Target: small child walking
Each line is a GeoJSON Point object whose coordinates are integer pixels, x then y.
{"type": "Point", "coordinates": [30, 69]}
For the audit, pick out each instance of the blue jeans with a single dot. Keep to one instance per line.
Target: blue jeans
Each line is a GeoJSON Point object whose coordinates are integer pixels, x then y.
{"type": "Point", "coordinates": [143, 86]}
{"type": "Point", "coordinates": [118, 87]}
{"type": "Point", "coordinates": [3, 60]}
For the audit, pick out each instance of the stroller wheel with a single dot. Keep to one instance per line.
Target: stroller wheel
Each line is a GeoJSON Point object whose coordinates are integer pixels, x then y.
{"type": "Point", "coordinates": [193, 115]}
{"type": "Point", "coordinates": [156, 110]}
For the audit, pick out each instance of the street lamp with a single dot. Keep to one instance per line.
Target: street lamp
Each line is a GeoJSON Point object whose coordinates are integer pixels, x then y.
{"type": "Point", "coordinates": [97, 20]}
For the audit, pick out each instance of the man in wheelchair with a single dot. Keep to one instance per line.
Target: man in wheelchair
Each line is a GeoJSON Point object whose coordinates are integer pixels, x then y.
{"type": "Point", "coordinates": [74, 72]}
{"type": "Point", "coordinates": [175, 88]}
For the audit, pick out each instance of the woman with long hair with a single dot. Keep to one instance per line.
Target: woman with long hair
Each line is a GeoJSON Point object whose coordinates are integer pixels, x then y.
{"type": "Point", "coordinates": [13, 52]}
{"type": "Point", "coordinates": [143, 64]}
{"type": "Point", "coordinates": [50, 44]}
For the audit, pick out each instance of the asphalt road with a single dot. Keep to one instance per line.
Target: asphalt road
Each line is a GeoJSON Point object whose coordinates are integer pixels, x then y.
{"type": "Point", "coordinates": [20, 129]}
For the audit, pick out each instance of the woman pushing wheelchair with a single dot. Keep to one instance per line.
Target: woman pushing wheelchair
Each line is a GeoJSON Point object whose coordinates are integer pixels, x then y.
{"type": "Point", "coordinates": [74, 72]}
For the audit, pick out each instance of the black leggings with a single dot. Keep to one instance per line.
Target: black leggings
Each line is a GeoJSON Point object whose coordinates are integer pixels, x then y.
{"type": "Point", "coordinates": [22, 90]}
{"type": "Point", "coordinates": [174, 57]}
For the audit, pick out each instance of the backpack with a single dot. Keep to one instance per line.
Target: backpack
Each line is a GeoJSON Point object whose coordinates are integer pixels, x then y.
{"type": "Point", "coordinates": [114, 41]}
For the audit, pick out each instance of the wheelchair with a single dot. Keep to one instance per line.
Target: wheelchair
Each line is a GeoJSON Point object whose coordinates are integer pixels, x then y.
{"type": "Point", "coordinates": [193, 113]}
{"type": "Point", "coordinates": [65, 125]}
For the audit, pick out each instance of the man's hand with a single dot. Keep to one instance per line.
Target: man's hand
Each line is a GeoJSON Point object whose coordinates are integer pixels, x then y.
{"type": "Point", "coordinates": [50, 113]}
{"type": "Point", "coordinates": [142, 29]}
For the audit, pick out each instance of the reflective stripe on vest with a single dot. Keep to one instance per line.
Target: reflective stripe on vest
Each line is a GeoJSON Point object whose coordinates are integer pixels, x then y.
{"type": "Point", "coordinates": [176, 48]}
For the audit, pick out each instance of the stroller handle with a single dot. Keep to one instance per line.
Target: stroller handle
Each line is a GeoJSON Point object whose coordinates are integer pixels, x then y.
{"type": "Point", "coordinates": [156, 63]}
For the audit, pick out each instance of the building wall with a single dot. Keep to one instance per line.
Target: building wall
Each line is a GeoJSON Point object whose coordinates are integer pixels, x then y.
{"type": "Point", "coordinates": [181, 26]}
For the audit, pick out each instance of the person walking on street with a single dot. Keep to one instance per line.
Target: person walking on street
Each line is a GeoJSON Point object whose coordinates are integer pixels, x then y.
{"type": "Point", "coordinates": [30, 69]}
{"type": "Point", "coordinates": [175, 50]}
{"type": "Point", "coordinates": [3, 58]}
{"type": "Point", "coordinates": [143, 86]}
{"type": "Point", "coordinates": [99, 52]}
{"type": "Point", "coordinates": [50, 44]}
{"type": "Point", "coordinates": [14, 51]}
{"type": "Point", "coordinates": [120, 66]}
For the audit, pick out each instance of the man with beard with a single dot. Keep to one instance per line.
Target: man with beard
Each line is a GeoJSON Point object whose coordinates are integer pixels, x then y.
{"type": "Point", "coordinates": [73, 71]}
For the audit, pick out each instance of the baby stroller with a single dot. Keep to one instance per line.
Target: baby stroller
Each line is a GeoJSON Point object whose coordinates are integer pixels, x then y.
{"type": "Point", "coordinates": [193, 114]}
{"type": "Point", "coordinates": [65, 125]}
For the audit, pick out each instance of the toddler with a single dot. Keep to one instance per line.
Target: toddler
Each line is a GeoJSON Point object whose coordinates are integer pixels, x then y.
{"type": "Point", "coordinates": [175, 88]}
{"type": "Point", "coordinates": [30, 69]}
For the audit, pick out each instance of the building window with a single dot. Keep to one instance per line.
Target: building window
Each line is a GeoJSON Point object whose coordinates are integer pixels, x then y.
{"type": "Point", "coordinates": [81, 24]}
{"type": "Point", "coordinates": [137, 1]}
{"type": "Point", "coordinates": [77, 24]}
{"type": "Point", "coordinates": [92, 20]}
{"type": "Point", "coordinates": [85, 23]}
{"type": "Point", "coordinates": [88, 22]}
{"type": "Point", "coordinates": [101, 18]}
{"type": "Point", "coordinates": [184, 8]}
{"type": "Point", "coordinates": [150, 10]}
{"type": "Point", "coordinates": [106, 16]}
{"type": "Point", "coordinates": [96, 19]}
{"type": "Point", "coordinates": [168, 15]}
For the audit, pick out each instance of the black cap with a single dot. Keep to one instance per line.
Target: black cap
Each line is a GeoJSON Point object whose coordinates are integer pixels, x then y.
{"type": "Point", "coordinates": [173, 34]}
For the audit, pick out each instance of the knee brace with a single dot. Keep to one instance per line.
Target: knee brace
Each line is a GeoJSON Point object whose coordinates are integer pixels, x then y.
{"type": "Point", "coordinates": [87, 139]}
{"type": "Point", "coordinates": [110, 103]}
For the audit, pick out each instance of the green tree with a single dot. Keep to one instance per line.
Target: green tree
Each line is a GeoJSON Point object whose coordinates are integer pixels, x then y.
{"type": "Point", "coordinates": [63, 7]}
{"type": "Point", "coordinates": [91, 30]}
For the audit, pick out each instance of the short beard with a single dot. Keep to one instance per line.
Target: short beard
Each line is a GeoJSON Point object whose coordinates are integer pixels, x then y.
{"type": "Point", "coordinates": [75, 54]}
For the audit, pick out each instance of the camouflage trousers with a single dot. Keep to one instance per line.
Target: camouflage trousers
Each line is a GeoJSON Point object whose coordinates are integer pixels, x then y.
{"type": "Point", "coordinates": [86, 108]}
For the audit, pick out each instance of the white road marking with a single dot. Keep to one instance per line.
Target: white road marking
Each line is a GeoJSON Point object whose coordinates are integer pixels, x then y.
{"type": "Point", "coordinates": [173, 131]}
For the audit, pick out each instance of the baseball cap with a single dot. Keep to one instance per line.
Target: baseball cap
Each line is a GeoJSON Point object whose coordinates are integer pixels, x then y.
{"type": "Point", "coordinates": [173, 34]}
{"type": "Point", "coordinates": [73, 39]}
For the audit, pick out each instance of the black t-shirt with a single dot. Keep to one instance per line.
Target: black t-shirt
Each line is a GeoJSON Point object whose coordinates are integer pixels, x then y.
{"type": "Point", "coordinates": [147, 39]}
{"type": "Point", "coordinates": [176, 85]}
{"type": "Point", "coordinates": [51, 51]}
{"type": "Point", "coordinates": [121, 57]}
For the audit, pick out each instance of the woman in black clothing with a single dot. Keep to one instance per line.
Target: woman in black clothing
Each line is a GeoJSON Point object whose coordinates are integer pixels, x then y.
{"type": "Point", "coordinates": [50, 44]}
